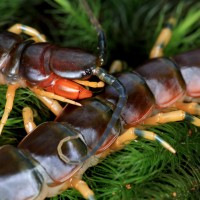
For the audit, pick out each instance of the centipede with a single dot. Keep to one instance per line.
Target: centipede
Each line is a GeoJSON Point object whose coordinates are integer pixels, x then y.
{"type": "Point", "coordinates": [49, 160]}
{"type": "Point", "coordinates": [54, 155]}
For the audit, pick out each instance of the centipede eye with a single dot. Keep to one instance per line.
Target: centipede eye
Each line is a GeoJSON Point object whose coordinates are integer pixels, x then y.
{"type": "Point", "coordinates": [88, 72]}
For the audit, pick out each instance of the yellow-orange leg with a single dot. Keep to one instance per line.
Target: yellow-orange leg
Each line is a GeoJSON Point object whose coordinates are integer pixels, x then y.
{"type": "Point", "coordinates": [10, 95]}
{"type": "Point", "coordinates": [116, 66]}
{"type": "Point", "coordinates": [51, 95]}
{"type": "Point", "coordinates": [130, 135]}
{"type": "Point", "coordinates": [29, 124]}
{"type": "Point", "coordinates": [20, 28]}
{"type": "Point", "coordinates": [163, 39]}
{"type": "Point", "coordinates": [82, 187]}
{"type": "Point", "coordinates": [90, 83]}
{"type": "Point", "coordinates": [173, 116]}
{"type": "Point", "coordinates": [192, 108]}
{"type": "Point", "coordinates": [52, 104]}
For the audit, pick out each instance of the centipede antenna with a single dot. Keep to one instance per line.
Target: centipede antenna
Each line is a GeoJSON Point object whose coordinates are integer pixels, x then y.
{"type": "Point", "coordinates": [100, 32]}
{"type": "Point", "coordinates": [107, 78]}
{"type": "Point", "coordinates": [116, 114]}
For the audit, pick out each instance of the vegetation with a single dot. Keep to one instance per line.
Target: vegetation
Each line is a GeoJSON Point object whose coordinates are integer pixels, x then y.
{"type": "Point", "coordinates": [143, 170]}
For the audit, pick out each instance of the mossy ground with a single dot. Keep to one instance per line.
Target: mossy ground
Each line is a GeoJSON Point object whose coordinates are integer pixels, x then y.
{"type": "Point", "coordinates": [143, 170]}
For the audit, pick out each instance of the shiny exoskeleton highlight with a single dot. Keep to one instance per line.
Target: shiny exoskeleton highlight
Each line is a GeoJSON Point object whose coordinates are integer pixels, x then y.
{"type": "Point", "coordinates": [41, 159]}
{"type": "Point", "coordinates": [54, 155]}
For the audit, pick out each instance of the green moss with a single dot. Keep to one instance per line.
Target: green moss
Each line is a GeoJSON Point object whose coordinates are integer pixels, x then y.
{"type": "Point", "coordinates": [143, 170]}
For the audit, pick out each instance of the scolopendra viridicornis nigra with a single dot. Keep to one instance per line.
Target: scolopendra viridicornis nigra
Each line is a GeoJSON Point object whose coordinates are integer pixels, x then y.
{"type": "Point", "coordinates": [71, 137]}
{"type": "Point", "coordinates": [139, 121]}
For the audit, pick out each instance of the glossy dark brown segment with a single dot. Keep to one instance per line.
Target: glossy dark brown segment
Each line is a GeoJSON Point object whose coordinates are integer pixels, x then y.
{"type": "Point", "coordinates": [71, 63]}
{"type": "Point", "coordinates": [9, 43]}
{"type": "Point", "coordinates": [41, 59]}
{"type": "Point", "coordinates": [140, 100]}
{"type": "Point", "coordinates": [42, 145]}
{"type": "Point", "coordinates": [91, 120]}
{"type": "Point", "coordinates": [189, 65]}
{"type": "Point", "coordinates": [32, 67]}
{"type": "Point", "coordinates": [164, 79]}
{"type": "Point", "coordinates": [16, 173]}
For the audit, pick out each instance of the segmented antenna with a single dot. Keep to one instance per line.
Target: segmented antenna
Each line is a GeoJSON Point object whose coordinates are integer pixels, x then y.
{"type": "Point", "coordinates": [100, 33]}
{"type": "Point", "coordinates": [107, 78]}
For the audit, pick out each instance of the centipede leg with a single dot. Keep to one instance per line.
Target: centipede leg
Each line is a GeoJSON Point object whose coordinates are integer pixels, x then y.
{"type": "Point", "coordinates": [163, 39]}
{"type": "Point", "coordinates": [29, 124]}
{"type": "Point", "coordinates": [192, 108]}
{"type": "Point", "coordinates": [173, 116]}
{"type": "Point", "coordinates": [10, 94]}
{"type": "Point", "coordinates": [82, 187]}
{"type": "Point", "coordinates": [116, 66]}
{"type": "Point", "coordinates": [20, 28]}
{"type": "Point", "coordinates": [130, 135]}
{"type": "Point", "coordinates": [51, 95]}
{"type": "Point", "coordinates": [52, 104]}
{"type": "Point", "coordinates": [90, 83]}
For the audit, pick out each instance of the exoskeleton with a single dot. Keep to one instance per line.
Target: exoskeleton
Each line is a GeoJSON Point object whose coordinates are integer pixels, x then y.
{"type": "Point", "coordinates": [48, 159]}
{"type": "Point", "coordinates": [53, 72]}
{"type": "Point", "coordinates": [39, 167]}
{"type": "Point", "coordinates": [54, 155]}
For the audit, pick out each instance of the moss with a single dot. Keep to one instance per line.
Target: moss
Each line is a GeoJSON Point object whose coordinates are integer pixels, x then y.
{"type": "Point", "coordinates": [146, 171]}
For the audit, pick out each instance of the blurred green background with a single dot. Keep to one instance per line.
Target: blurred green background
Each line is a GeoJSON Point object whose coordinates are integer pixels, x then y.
{"type": "Point", "coordinates": [143, 170]}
